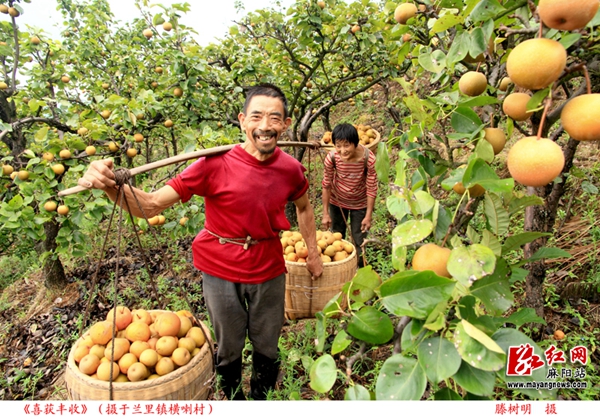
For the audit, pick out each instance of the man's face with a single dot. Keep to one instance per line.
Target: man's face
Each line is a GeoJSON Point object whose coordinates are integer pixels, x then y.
{"type": "Point", "coordinates": [263, 123]}
{"type": "Point", "coordinates": [345, 149]}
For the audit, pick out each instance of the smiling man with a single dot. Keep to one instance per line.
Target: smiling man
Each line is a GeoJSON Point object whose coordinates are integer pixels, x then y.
{"type": "Point", "coordinates": [239, 253]}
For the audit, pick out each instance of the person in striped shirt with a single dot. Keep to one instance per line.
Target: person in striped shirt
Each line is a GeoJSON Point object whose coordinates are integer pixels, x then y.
{"type": "Point", "coordinates": [349, 186]}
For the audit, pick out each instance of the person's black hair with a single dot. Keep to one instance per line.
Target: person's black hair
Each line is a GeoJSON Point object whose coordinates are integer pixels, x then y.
{"type": "Point", "coordinates": [345, 132]}
{"type": "Point", "coordinates": [266, 89]}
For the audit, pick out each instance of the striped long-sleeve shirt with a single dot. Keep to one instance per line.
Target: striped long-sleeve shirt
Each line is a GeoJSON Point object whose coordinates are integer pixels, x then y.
{"type": "Point", "coordinates": [349, 185]}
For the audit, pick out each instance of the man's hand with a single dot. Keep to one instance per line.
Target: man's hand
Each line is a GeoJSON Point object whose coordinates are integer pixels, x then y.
{"type": "Point", "coordinates": [314, 266]}
{"type": "Point", "coordinates": [99, 175]}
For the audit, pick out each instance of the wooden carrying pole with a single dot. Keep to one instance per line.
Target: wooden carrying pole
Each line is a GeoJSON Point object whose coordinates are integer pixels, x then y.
{"type": "Point", "coordinates": [187, 156]}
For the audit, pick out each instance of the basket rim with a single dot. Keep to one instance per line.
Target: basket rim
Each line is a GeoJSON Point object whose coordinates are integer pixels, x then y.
{"type": "Point", "coordinates": [375, 141]}
{"type": "Point", "coordinates": [144, 384]}
{"type": "Point", "coordinates": [339, 262]}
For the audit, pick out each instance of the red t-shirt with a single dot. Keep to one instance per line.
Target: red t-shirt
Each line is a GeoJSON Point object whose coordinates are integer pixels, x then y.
{"type": "Point", "coordinates": [243, 196]}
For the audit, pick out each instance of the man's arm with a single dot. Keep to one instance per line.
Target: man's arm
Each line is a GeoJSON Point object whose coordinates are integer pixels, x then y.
{"type": "Point", "coordinates": [100, 175]}
{"type": "Point", "coordinates": [325, 198]}
{"type": "Point", "coordinates": [306, 222]}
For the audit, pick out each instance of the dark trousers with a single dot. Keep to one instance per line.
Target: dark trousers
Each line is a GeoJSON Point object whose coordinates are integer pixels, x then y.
{"type": "Point", "coordinates": [339, 216]}
{"type": "Point", "coordinates": [239, 309]}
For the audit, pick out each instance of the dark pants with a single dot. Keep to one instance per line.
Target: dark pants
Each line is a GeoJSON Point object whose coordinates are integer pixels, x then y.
{"type": "Point", "coordinates": [338, 224]}
{"type": "Point", "coordinates": [239, 309]}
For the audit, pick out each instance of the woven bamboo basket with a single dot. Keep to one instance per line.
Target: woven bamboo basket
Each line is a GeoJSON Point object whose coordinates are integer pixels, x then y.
{"type": "Point", "coordinates": [193, 381]}
{"type": "Point", "coordinates": [371, 146]}
{"type": "Point", "coordinates": [305, 297]}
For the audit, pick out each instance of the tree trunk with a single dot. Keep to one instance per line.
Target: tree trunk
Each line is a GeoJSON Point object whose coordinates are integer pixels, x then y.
{"type": "Point", "coordinates": [542, 219]}
{"type": "Point", "coordinates": [54, 272]}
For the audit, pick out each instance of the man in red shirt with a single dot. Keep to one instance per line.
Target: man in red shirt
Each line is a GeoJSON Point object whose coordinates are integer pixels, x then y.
{"type": "Point", "coordinates": [239, 253]}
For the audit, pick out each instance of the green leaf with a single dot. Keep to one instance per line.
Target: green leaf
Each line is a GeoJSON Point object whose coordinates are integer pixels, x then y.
{"type": "Point", "coordinates": [518, 274]}
{"type": "Point", "coordinates": [397, 206]}
{"type": "Point", "coordinates": [411, 232]}
{"type": "Point", "coordinates": [415, 294]}
{"type": "Point", "coordinates": [468, 341]}
{"type": "Point", "coordinates": [438, 358]}
{"type": "Point", "coordinates": [400, 378]}
{"type": "Point", "coordinates": [467, 264]}
{"type": "Point", "coordinates": [446, 22]}
{"type": "Point", "coordinates": [478, 172]}
{"type": "Point", "coordinates": [484, 151]}
{"type": "Point", "coordinates": [518, 240]}
{"type": "Point", "coordinates": [363, 284]}
{"type": "Point", "coordinates": [399, 257]}
{"type": "Point", "coordinates": [434, 61]}
{"type": "Point", "coordinates": [506, 338]}
{"type": "Point", "coordinates": [333, 306]}
{"type": "Point", "coordinates": [320, 331]}
{"type": "Point", "coordinates": [549, 253]}
{"type": "Point", "coordinates": [589, 187]}
{"type": "Point", "coordinates": [357, 392]}
{"type": "Point", "coordinates": [340, 342]}
{"type": "Point", "coordinates": [371, 325]}
{"type": "Point", "coordinates": [518, 204]}
{"type": "Point", "coordinates": [475, 380]}
{"type": "Point", "coordinates": [535, 103]}
{"type": "Point", "coordinates": [489, 240]}
{"type": "Point", "coordinates": [158, 19]}
{"type": "Point", "coordinates": [453, 178]}
{"type": "Point", "coordinates": [42, 134]}
{"type": "Point", "coordinates": [15, 204]}
{"type": "Point", "coordinates": [478, 101]}
{"type": "Point", "coordinates": [481, 337]}
{"type": "Point", "coordinates": [446, 394]}
{"type": "Point", "coordinates": [459, 48]}
{"type": "Point", "coordinates": [478, 42]}
{"type": "Point", "coordinates": [323, 374]}
{"type": "Point", "coordinates": [494, 291]}
{"type": "Point", "coordinates": [486, 9]}
{"type": "Point", "coordinates": [569, 39]}
{"type": "Point", "coordinates": [443, 223]}
{"type": "Point", "coordinates": [425, 202]}
{"type": "Point", "coordinates": [523, 316]}
{"type": "Point", "coordinates": [465, 120]}
{"type": "Point", "coordinates": [496, 215]}
{"type": "Point", "coordinates": [382, 164]}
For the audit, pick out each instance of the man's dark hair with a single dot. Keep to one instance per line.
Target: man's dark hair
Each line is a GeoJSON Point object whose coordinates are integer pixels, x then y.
{"type": "Point", "coordinates": [345, 132]}
{"type": "Point", "coordinates": [266, 89]}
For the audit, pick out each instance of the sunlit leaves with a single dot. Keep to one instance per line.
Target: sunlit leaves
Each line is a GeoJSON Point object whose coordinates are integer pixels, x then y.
{"type": "Point", "coordinates": [401, 378]}
{"type": "Point", "coordinates": [411, 232]}
{"type": "Point", "coordinates": [371, 325]}
{"type": "Point", "coordinates": [477, 349]}
{"type": "Point", "coordinates": [438, 358]}
{"type": "Point", "coordinates": [494, 290]}
{"type": "Point", "coordinates": [415, 294]}
{"type": "Point", "coordinates": [470, 263]}
{"type": "Point", "coordinates": [323, 374]}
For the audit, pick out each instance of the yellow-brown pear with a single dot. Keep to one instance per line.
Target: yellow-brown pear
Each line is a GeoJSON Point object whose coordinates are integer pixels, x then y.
{"type": "Point", "coordinates": [581, 117]}
{"type": "Point", "coordinates": [535, 162]}
{"type": "Point", "coordinates": [472, 83]}
{"type": "Point", "coordinates": [431, 257]}
{"type": "Point", "coordinates": [567, 15]}
{"type": "Point", "coordinates": [536, 63]}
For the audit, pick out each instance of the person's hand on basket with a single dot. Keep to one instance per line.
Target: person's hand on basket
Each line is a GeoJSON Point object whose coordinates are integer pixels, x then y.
{"type": "Point", "coordinates": [314, 264]}
{"type": "Point", "coordinates": [100, 175]}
